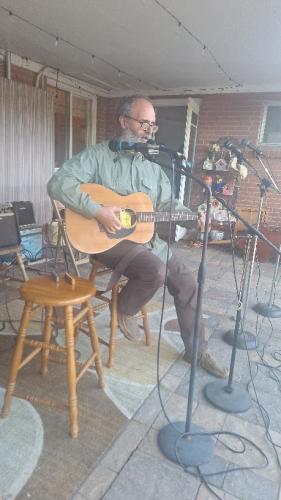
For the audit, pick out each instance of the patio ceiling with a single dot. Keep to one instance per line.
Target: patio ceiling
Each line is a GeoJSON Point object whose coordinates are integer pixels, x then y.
{"type": "Point", "coordinates": [151, 46]}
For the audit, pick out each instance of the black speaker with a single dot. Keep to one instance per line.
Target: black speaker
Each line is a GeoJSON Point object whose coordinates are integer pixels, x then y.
{"type": "Point", "coordinates": [24, 212]}
{"type": "Point", "coordinates": [9, 228]}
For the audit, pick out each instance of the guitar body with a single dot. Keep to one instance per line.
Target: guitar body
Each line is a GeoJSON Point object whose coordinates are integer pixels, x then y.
{"type": "Point", "coordinates": [88, 236]}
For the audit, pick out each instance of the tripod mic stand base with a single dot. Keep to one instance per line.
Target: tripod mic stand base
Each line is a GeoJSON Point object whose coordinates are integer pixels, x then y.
{"type": "Point", "coordinates": [245, 340]}
{"type": "Point", "coordinates": [267, 310]}
{"type": "Point", "coordinates": [232, 400]}
{"type": "Point", "coordinates": [186, 450]}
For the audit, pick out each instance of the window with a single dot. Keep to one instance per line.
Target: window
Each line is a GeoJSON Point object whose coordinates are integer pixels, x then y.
{"type": "Point", "coordinates": [271, 126]}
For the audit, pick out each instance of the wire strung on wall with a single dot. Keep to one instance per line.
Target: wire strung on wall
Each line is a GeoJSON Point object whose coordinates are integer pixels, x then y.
{"type": "Point", "coordinates": [205, 49]}
{"type": "Point", "coordinates": [59, 40]}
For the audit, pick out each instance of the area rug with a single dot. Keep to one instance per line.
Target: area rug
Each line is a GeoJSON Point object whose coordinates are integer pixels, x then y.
{"type": "Point", "coordinates": [41, 457]}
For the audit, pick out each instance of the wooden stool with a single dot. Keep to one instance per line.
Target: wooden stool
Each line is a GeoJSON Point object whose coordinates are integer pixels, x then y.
{"type": "Point", "coordinates": [48, 293]}
{"type": "Point", "coordinates": [99, 269]}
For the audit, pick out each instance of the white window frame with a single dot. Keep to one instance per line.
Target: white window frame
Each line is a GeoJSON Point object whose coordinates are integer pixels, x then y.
{"type": "Point", "coordinates": [263, 123]}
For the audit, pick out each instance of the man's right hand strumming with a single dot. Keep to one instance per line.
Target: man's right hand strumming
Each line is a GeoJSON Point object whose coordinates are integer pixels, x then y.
{"type": "Point", "coordinates": [109, 218]}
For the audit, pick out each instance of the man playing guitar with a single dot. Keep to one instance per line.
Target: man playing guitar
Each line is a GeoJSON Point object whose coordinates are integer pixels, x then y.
{"type": "Point", "coordinates": [143, 264]}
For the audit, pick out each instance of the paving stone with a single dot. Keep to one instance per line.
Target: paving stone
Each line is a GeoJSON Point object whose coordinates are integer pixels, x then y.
{"type": "Point", "coordinates": [251, 457]}
{"type": "Point", "coordinates": [201, 379]}
{"type": "Point", "coordinates": [263, 380]}
{"type": "Point", "coordinates": [170, 382]}
{"type": "Point", "coordinates": [212, 304]}
{"type": "Point", "coordinates": [151, 407]}
{"type": "Point", "coordinates": [268, 401]}
{"type": "Point", "coordinates": [78, 496]}
{"type": "Point", "coordinates": [176, 409]}
{"type": "Point", "coordinates": [212, 321]}
{"type": "Point", "coordinates": [149, 446]}
{"type": "Point", "coordinates": [124, 446]}
{"type": "Point", "coordinates": [179, 368]}
{"type": "Point", "coordinates": [96, 484]}
{"type": "Point", "coordinates": [205, 494]}
{"type": "Point", "coordinates": [215, 466]}
{"type": "Point", "coordinates": [222, 294]}
{"type": "Point", "coordinates": [248, 485]}
{"type": "Point", "coordinates": [149, 478]}
{"type": "Point", "coordinates": [208, 417]}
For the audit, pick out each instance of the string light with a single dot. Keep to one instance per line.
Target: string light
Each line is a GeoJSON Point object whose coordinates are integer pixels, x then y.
{"type": "Point", "coordinates": [11, 17]}
{"type": "Point", "coordinates": [58, 39]}
{"type": "Point", "coordinates": [205, 49]}
{"type": "Point", "coordinates": [92, 58]}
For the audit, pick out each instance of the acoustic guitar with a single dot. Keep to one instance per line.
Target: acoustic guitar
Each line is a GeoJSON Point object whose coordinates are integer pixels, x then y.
{"type": "Point", "coordinates": [136, 216]}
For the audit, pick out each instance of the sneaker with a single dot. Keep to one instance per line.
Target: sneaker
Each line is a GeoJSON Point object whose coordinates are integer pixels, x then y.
{"type": "Point", "coordinates": [129, 327]}
{"type": "Point", "coordinates": [210, 364]}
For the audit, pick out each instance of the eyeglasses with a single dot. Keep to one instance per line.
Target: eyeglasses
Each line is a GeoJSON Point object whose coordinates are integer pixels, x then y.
{"type": "Point", "coordinates": [145, 125]}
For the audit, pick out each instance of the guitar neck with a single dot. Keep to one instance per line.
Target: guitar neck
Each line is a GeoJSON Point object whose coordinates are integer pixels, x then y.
{"type": "Point", "coordinates": [179, 215]}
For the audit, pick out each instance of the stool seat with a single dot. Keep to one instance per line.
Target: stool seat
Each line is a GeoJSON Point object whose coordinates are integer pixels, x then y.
{"type": "Point", "coordinates": [46, 291]}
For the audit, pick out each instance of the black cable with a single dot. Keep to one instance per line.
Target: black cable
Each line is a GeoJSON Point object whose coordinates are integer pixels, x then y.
{"type": "Point", "coordinates": [181, 435]}
{"type": "Point", "coordinates": [264, 414]}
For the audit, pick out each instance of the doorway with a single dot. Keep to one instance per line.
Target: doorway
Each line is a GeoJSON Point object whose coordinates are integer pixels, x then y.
{"type": "Point", "coordinates": [178, 121]}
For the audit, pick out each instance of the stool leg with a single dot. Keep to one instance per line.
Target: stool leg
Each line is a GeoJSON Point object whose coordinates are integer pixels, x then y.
{"type": "Point", "coordinates": [71, 371]}
{"type": "Point", "coordinates": [16, 358]}
{"type": "Point", "coordinates": [146, 326]}
{"type": "Point", "coordinates": [47, 338]}
{"type": "Point", "coordinates": [95, 344]}
{"type": "Point", "coordinates": [113, 326]}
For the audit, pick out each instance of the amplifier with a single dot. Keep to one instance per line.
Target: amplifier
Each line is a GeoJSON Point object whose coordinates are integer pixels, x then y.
{"type": "Point", "coordinates": [24, 212]}
{"type": "Point", "coordinates": [9, 229]}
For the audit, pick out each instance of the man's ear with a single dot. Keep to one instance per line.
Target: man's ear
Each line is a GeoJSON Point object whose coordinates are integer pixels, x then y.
{"type": "Point", "coordinates": [122, 121]}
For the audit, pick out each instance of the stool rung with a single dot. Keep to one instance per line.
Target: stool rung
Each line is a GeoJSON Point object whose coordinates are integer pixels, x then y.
{"type": "Point", "coordinates": [80, 316]}
{"type": "Point", "coordinates": [101, 297]}
{"type": "Point", "coordinates": [86, 366]}
{"type": "Point", "coordinates": [63, 361]}
{"type": "Point", "coordinates": [30, 356]}
{"type": "Point", "coordinates": [35, 309]}
{"type": "Point", "coordinates": [99, 307]}
{"type": "Point", "coordinates": [46, 402]}
{"type": "Point", "coordinates": [38, 343]}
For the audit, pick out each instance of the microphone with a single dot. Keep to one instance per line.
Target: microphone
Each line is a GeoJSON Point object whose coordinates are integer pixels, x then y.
{"type": "Point", "coordinates": [228, 144]}
{"type": "Point", "coordinates": [245, 143]}
{"type": "Point", "coordinates": [149, 147]}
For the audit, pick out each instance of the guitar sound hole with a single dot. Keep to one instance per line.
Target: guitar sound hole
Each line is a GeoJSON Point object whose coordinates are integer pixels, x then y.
{"type": "Point", "coordinates": [128, 219]}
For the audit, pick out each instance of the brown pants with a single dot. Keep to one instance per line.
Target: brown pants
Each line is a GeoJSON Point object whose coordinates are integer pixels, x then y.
{"type": "Point", "coordinates": [146, 273]}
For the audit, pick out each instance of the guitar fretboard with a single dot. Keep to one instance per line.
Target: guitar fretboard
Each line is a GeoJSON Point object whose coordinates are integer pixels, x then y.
{"type": "Point", "coordinates": [180, 215]}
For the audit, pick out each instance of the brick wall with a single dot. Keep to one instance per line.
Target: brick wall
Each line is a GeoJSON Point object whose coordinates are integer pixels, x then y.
{"type": "Point", "coordinates": [239, 116]}
{"type": "Point", "coordinates": [107, 125]}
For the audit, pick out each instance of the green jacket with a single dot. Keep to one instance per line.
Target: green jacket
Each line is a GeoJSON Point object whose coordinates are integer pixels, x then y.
{"type": "Point", "coordinates": [122, 172]}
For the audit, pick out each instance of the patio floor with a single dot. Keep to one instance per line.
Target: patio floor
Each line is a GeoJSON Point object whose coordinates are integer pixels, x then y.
{"type": "Point", "coordinates": [134, 468]}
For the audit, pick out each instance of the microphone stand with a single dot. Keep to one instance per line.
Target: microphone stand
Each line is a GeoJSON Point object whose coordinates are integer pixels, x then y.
{"type": "Point", "coordinates": [231, 397]}
{"type": "Point", "coordinates": [269, 309]}
{"type": "Point", "coordinates": [184, 442]}
{"type": "Point", "coordinates": [245, 339]}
